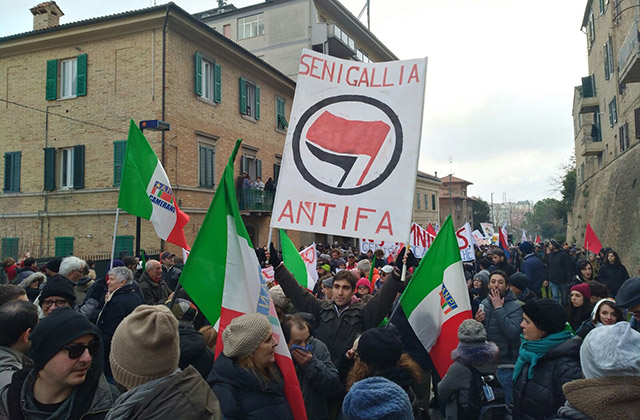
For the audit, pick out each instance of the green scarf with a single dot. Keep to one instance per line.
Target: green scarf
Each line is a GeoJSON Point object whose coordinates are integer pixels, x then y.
{"type": "Point", "coordinates": [531, 351]}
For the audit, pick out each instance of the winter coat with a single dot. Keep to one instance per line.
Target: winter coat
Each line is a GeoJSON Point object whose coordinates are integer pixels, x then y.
{"type": "Point", "coordinates": [81, 288]}
{"type": "Point", "coordinates": [584, 328]}
{"type": "Point", "coordinates": [123, 301]}
{"type": "Point", "coordinates": [534, 269]}
{"type": "Point", "coordinates": [243, 395]}
{"type": "Point", "coordinates": [170, 276]}
{"type": "Point", "coordinates": [405, 380]}
{"type": "Point", "coordinates": [23, 273]}
{"type": "Point", "coordinates": [319, 381]}
{"type": "Point", "coordinates": [541, 396]}
{"type": "Point", "coordinates": [90, 400]}
{"type": "Point", "coordinates": [506, 267]}
{"type": "Point", "coordinates": [560, 267]}
{"type": "Point", "coordinates": [611, 397]}
{"type": "Point", "coordinates": [182, 395]}
{"type": "Point", "coordinates": [454, 387]}
{"type": "Point", "coordinates": [527, 295]}
{"type": "Point", "coordinates": [10, 362]}
{"type": "Point", "coordinates": [155, 293]}
{"type": "Point", "coordinates": [193, 350]}
{"type": "Point", "coordinates": [612, 276]}
{"type": "Point", "coordinates": [337, 329]}
{"type": "Point", "coordinates": [503, 327]}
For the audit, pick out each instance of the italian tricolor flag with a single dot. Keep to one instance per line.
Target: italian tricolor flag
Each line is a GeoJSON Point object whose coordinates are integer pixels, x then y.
{"type": "Point", "coordinates": [145, 190]}
{"type": "Point", "coordinates": [224, 278]}
{"type": "Point", "coordinates": [436, 300]}
{"type": "Point", "coordinates": [301, 264]}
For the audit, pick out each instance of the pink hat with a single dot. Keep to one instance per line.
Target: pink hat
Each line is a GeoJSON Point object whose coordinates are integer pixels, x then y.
{"type": "Point", "coordinates": [363, 282]}
{"type": "Point", "coordinates": [584, 289]}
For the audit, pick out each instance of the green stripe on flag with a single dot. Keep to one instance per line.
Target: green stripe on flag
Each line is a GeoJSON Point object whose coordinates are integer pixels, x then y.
{"type": "Point", "coordinates": [428, 275]}
{"type": "Point", "coordinates": [204, 272]}
{"type": "Point", "coordinates": [293, 261]}
{"type": "Point", "coordinates": [140, 161]}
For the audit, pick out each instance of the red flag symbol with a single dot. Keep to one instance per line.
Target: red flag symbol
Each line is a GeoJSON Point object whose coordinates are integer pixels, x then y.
{"type": "Point", "coordinates": [591, 241]}
{"type": "Point", "coordinates": [339, 135]}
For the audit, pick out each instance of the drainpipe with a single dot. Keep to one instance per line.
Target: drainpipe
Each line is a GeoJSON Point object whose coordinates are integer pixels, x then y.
{"type": "Point", "coordinates": [46, 193]}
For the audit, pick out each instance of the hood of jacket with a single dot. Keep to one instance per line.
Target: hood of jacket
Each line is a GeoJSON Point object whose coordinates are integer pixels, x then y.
{"type": "Point", "coordinates": [570, 348]}
{"type": "Point", "coordinates": [10, 358]}
{"type": "Point", "coordinates": [477, 354]}
{"type": "Point", "coordinates": [613, 397]}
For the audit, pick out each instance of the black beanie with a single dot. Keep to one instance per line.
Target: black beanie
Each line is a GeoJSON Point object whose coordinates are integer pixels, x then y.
{"type": "Point", "coordinates": [520, 280]}
{"type": "Point", "coordinates": [54, 265]}
{"type": "Point", "coordinates": [53, 332]}
{"type": "Point", "coordinates": [58, 286]}
{"type": "Point", "coordinates": [379, 346]}
{"type": "Point", "coordinates": [547, 314]}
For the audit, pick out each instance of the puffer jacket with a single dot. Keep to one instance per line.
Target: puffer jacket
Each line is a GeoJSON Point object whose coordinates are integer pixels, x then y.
{"type": "Point", "coordinates": [183, 395]}
{"type": "Point", "coordinates": [194, 350]}
{"type": "Point", "coordinates": [503, 327]}
{"type": "Point", "coordinates": [611, 397]}
{"type": "Point", "coordinates": [337, 329]}
{"type": "Point", "coordinates": [243, 395]}
{"type": "Point", "coordinates": [542, 396]}
{"type": "Point", "coordinates": [560, 267]}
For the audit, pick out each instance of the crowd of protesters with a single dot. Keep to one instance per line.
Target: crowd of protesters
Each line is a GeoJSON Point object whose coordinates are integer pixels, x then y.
{"type": "Point", "coordinates": [554, 334]}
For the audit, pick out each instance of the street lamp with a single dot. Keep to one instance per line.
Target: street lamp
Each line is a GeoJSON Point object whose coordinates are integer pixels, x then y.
{"type": "Point", "coordinates": [492, 221]}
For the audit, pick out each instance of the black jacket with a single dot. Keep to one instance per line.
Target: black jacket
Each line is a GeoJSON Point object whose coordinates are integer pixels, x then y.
{"type": "Point", "coordinates": [541, 396]}
{"type": "Point", "coordinates": [612, 276]}
{"type": "Point", "coordinates": [503, 327]}
{"type": "Point", "coordinates": [171, 276]}
{"type": "Point", "coordinates": [121, 304]}
{"type": "Point", "coordinates": [154, 293]}
{"type": "Point", "coordinates": [560, 267]}
{"type": "Point", "coordinates": [243, 396]}
{"type": "Point", "coordinates": [193, 350]}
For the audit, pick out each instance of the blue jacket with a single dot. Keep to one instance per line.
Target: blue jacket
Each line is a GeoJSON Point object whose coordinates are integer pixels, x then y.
{"type": "Point", "coordinates": [533, 268]}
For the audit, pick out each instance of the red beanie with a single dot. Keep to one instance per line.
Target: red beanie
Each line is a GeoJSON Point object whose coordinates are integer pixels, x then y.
{"type": "Point", "coordinates": [363, 282]}
{"type": "Point", "coordinates": [584, 289]}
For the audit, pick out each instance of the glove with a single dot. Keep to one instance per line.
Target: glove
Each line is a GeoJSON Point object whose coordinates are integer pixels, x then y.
{"type": "Point", "coordinates": [412, 261]}
{"type": "Point", "coordinates": [274, 260]}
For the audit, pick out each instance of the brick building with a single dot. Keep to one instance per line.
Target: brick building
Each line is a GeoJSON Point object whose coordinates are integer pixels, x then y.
{"type": "Point", "coordinates": [68, 94]}
{"type": "Point", "coordinates": [453, 195]}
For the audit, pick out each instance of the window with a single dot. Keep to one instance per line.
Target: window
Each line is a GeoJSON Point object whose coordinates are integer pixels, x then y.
{"type": "Point", "coordinates": [67, 167]}
{"type": "Point", "coordinates": [433, 202]}
{"type": "Point", "coordinates": [426, 201]}
{"type": "Point", "coordinates": [636, 114]}
{"type": "Point", "coordinates": [281, 120]}
{"type": "Point", "coordinates": [226, 31]}
{"type": "Point", "coordinates": [12, 171]}
{"type": "Point", "coordinates": [582, 172]}
{"type": "Point", "coordinates": [64, 246]}
{"type": "Point", "coordinates": [72, 78]}
{"type": "Point", "coordinates": [624, 136]}
{"type": "Point", "coordinates": [418, 200]}
{"type": "Point", "coordinates": [613, 112]}
{"type": "Point", "coordinates": [10, 248]}
{"type": "Point", "coordinates": [361, 56]}
{"type": "Point", "coordinates": [124, 246]}
{"type": "Point", "coordinates": [251, 165]}
{"type": "Point", "coordinates": [276, 172]}
{"type": "Point", "coordinates": [208, 79]}
{"type": "Point", "coordinates": [591, 30]}
{"type": "Point", "coordinates": [249, 99]}
{"type": "Point", "coordinates": [206, 165]}
{"type": "Point", "coordinates": [119, 151]}
{"type": "Point", "coordinates": [602, 9]}
{"type": "Point", "coordinates": [608, 59]}
{"type": "Point", "coordinates": [250, 26]}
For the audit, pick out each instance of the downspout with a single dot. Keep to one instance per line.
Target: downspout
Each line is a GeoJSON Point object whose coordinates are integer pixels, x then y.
{"type": "Point", "coordinates": [164, 79]}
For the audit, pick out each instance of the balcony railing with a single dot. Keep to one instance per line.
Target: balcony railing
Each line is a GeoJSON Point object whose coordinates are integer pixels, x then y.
{"type": "Point", "coordinates": [340, 43]}
{"type": "Point", "coordinates": [253, 199]}
{"type": "Point", "coordinates": [629, 56]}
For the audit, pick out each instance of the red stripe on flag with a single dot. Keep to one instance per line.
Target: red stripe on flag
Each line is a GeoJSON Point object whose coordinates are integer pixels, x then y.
{"type": "Point", "coordinates": [447, 342]}
{"type": "Point", "coordinates": [176, 236]}
{"type": "Point", "coordinates": [291, 386]}
{"type": "Point", "coordinates": [226, 315]}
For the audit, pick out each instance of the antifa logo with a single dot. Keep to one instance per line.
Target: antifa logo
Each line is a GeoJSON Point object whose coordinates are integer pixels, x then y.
{"type": "Point", "coordinates": [347, 155]}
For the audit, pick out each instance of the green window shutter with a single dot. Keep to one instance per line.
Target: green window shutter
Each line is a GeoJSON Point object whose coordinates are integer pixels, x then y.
{"type": "Point", "coordinates": [243, 95]}
{"type": "Point", "coordinates": [276, 172]}
{"type": "Point", "coordinates": [202, 162]}
{"type": "Point", "coordinates": [257, 104]}
{"type": "Point", "coordinates": [49, 168]}
{"type": "Point", "coordinates": [119, 150]}
{"type": "Point", "coordinates": [52, 80]}
{"type": "Point", "coordinates": [78, 167]}
{"type": "Point", "coordinates": [615, 109]}
{"type": "Point", "coordinates": [258, 168]}
{"type": "Point", "coordinates": [124, 245]}
{"type": "Point", "coordinates": [10, 248]}
{"type": "Point", "coordinates": [433, 202]}
{"type": "Point", "coordinates": [217, 83]}
{"type": "Point", "coordinates": [587, 87]}
{"type": "Point", "coordinates": [198, 60]}
{"type": "Point", "coordinates": [7, 171]}
{"type": "Point", "coordinates": [12, 171]}
{"type": "Point", "coordinates": [64, 246]}
{"type": "Point", "coordinates": [81, 77]}
{"type": "Point", "coordinates": [418, 200]}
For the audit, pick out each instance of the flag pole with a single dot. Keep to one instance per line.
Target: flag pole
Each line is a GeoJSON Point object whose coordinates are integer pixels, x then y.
{"type": "Point", "coordinates": [115, 232]}
{"type": "Point", "coordinates": [270, 236]}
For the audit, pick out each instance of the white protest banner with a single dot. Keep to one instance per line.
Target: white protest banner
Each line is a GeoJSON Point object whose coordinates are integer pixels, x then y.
{"type": "Point", "coordinates": [420, 241]}
{"type": "Point", "coordinates": [389, 248]}
{"type": "Point", "coordinates": [488, 230]}
{"type": "Point", "coordinates": [269, 274]}
{"type": "Point", "coordinates": [310, 258]}
{"type": "Point", "coordinates": [465, 243]}
{"type": "Point", "coordinates": [353, 138]}
{"type": "Point", "coordinates": [478, 237]}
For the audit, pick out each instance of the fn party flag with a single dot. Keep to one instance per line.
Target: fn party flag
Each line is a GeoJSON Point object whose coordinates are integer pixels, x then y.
{"type": "Point", "coordinates": [303, 272]}
{"type": "Point", "coordinates": [224, 278]}
{"type": "Point", "coordinates": [145, 190]}
{"type": "Point", "coordinates": [436, 300]}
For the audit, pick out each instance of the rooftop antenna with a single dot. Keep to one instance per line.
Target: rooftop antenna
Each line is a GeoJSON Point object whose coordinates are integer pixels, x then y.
{"type": "Point", "coordinates": [450, 174]}
{"type": "Point", "coordinates": [221, 3]}
{"type": "Point", "coordinates": [366, 7]}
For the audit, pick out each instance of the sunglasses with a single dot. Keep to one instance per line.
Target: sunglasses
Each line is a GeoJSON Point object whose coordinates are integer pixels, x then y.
{"type": "Point", "coordinates": [77, 350]}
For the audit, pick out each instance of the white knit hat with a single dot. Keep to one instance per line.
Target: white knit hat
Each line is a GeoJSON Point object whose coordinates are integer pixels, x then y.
{"type": "Point", "coordinates": [244, 334]}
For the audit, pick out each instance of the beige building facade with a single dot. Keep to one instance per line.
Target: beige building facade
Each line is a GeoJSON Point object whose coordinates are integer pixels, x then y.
{"type": "Point", "coordinates": [69, 92]}
{"type": "Point", "coordinates": [426, 206]}
{"type": "Point", "coordinates": [606, 116]}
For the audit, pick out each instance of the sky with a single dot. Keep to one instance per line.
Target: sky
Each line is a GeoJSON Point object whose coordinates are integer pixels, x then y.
{"type": "Point", "coordinates": [500, 80]}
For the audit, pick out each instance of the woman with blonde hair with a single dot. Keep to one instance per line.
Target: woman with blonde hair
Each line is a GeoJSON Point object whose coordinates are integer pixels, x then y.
{"type": "Point", "coordinates": [245, 377]}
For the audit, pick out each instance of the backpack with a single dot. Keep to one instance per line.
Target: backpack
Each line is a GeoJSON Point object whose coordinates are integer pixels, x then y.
{"type": "Point", "coordinates": [486, 398]}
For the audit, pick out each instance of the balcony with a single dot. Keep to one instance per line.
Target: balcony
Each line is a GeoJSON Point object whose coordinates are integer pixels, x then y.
{"type": "Point", "coordinates": [588, 105]}
{"type": "Point", "coordinates": [629, 57]}
{"type": "Point", "coordinates": [255, 200]}
{"type": "Point", "coordinates": [588, 99]}
{"type": "Point", "coordinates": [592, 146]}
{"type": "Point", "coordinates": [341, 45]}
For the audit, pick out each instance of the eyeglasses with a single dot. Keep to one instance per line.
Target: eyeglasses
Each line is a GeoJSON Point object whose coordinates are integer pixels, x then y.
{"type": "Point", "coordinates": [77, 350]}
{"type": "Point", "coordinates": [58, 302]}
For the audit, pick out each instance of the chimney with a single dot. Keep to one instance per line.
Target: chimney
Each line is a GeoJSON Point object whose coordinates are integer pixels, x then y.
{"type": "Point", "coordinates": [46, 15]}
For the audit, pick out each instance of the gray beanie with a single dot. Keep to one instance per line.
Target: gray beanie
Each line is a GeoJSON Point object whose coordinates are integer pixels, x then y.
{"type": "Point", "coordinates": [611, 350]}
{"type": "Point", "coordinates": [482, 275]}
{"type": "Point", "coordinates": [244, 334]}
{"type": "Point", "coordinates": [364, 266]}
{"type": "Point", "coordinates": [471, 331]}
{"type": "Point", "coordinates": [145, 346]}
{"type": "Point", "coordinates": [278, 297]}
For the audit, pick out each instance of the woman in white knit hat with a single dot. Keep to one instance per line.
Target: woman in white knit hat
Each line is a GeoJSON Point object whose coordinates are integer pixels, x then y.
{"type": "Point", "coordinates": [245, 377]}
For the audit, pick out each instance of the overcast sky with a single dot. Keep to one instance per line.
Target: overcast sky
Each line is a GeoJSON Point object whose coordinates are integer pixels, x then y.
{"type": "Point", "coordinates": [499, 81]}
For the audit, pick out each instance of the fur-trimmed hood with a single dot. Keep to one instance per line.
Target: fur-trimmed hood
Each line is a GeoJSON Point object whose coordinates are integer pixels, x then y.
{"type": "Point", "coordinates": [476, 354]}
